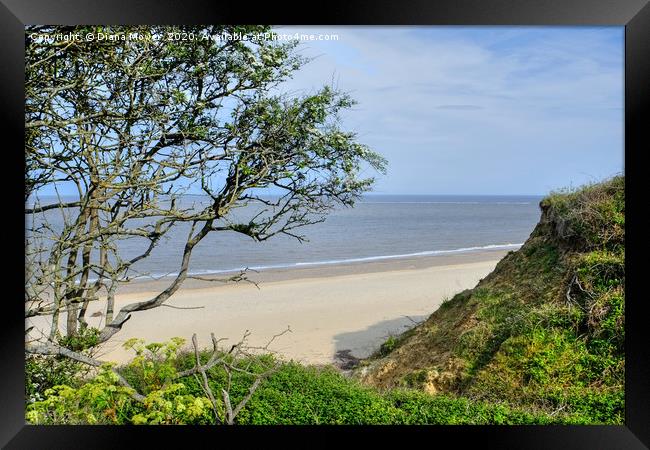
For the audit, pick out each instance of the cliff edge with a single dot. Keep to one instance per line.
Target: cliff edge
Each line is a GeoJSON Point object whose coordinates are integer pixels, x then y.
{"type": "Point", "coordinates": [543, 331]}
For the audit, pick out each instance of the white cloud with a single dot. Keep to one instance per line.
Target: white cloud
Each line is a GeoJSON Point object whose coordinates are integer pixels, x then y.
{"type": "Point", "coordinates": [533, 100]}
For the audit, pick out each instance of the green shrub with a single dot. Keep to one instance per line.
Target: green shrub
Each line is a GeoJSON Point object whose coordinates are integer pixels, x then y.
{"type": "Point", "coordinates": [294, 394]}
{"type": "Point", "coordinates": [591, 217]}
{"type": "Point", "coordinates": [309, 395]}
{"type": "Point", "coordinates": [554, 370]}
{"type": "Point", "coordinates": [99, 401]}
{"type": "Point", "coordinates": [388, 346]}
{"type": "Point", "coordinates": [154, 364]}
{"type": "Point", "coordinates": [84, 339]}
{"type": "Point", "coordinates": [558, 374]}
{"type": "Point", "coordinates": [45, 372]}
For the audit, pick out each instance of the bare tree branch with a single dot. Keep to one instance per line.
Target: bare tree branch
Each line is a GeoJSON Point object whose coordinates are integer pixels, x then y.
{"type": "Point", "coordinates": [204, 379]}
{"type": "Point", "coordinates": [49, 349]}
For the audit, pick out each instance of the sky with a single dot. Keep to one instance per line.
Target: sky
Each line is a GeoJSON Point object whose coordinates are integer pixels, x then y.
{"type": "Point", "coordinates": [477, 110]}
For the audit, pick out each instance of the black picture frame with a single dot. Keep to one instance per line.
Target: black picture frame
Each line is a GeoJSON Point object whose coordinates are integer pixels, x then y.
{"type": "Point", "coordinates": [633, 14]}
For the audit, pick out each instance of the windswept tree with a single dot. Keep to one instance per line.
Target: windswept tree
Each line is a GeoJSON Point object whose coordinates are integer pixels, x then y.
{"type": "Point", "coordinates": [133, 124]}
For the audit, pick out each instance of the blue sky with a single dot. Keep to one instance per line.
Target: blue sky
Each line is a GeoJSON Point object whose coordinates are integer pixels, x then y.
{"type": "Point", "coordinates": [478, 110]}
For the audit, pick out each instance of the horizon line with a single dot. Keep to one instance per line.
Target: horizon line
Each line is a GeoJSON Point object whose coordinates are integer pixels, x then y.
{"type": "Point", "coordinates": [364, 194]}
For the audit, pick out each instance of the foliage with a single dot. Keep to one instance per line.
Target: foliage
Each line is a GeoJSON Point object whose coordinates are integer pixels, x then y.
{"type": "Point", "coordinates": [295, 394]}
{"type": "Point", "coordinates": [103, 400]}
{"type": "Point", "coordinates": [591, 217]}
{"type": "Point", "coordinates": [99, 401]}
{"type": "Point", "coordinates": [45, 372]}
{"type": "Point", "coordinates": [85, 338]}
{"type": "Point", "coordinates": [388, 345]}
{"type": "Point", "coordinates": [554, 371]}
{"type": "Point", "coordinates": [544, 332]}
{"type": "Point", "coordinates": [153, 366]}
{"type": "Point", "coordinates": [169, 405]}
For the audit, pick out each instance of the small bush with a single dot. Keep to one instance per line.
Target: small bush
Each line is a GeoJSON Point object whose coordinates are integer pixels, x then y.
{"type": "Point", "coordinates": [44, 372]}
{"type": "Point", "coordinates": [388, 346]}
{"type": "Point", "coordinates": [591, 217]}
{"type": "Point", "coordinates": [84, 339]}
{"type": "Point", "coordinates": [99, 401]}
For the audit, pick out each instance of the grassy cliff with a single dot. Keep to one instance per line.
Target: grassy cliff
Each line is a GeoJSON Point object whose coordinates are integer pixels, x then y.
{"type": "Point", "coordinates": [544, 331]}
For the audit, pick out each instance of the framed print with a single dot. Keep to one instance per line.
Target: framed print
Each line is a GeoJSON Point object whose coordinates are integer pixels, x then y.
{"type": "Point", "coordinates": [387, 219]}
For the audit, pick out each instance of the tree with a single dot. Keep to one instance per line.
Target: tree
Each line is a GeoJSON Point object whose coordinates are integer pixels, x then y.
{"type": "Point", "coordinates": [135, 123]}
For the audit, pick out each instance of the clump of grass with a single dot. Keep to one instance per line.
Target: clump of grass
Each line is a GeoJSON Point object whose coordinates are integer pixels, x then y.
{"type": "Point", "coordinates": [552, 370]}
{"type": "Point", "coordinates": [388, 346]}
{"type": "Point", "coordinates": [591, 217]}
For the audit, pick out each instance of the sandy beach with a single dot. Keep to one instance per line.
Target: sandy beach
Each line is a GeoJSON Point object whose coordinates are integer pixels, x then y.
{"type": "Point", "coordinates": [348, 308]}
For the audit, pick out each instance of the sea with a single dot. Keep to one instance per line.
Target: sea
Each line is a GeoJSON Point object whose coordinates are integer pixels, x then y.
{"type": "Point", "coordinates": [377, 227]}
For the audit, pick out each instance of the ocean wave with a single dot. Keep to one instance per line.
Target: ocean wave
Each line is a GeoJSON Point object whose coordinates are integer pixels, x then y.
{"type": "Point", "coordinates": [339, 261]}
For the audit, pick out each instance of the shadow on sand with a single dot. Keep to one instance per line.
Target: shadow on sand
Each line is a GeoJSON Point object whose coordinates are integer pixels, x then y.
{"type": "Point", "coordinates": [350, 347]}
